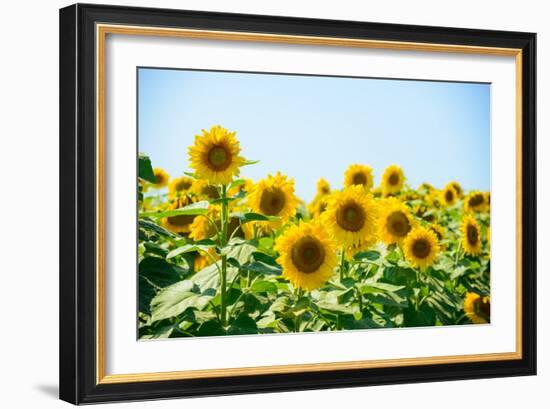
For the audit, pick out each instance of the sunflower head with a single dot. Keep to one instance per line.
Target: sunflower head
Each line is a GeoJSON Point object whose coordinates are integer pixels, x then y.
{"type": "Point", "coordinates": [471, 235]}
{"type": "Point", "coordinates": [203, 260]}
{"type": "Point", "coordinates": [323, 187]}
{"type": "Point", "coordinates": [203, 227]}
{"type": "Point", "coordinates": [395, 221]}
{"type": "Point", "coordinates": [477, 308]}
{"type": "Point", "coordinates": [318, 205]}
{"type": "Point", "coordinates": [457, 188]}
{"type": "Point", "coordinates": [359, 175]}
{"type": "Point", "coordinates": [475, 202]}
{"type": "Point", "coordinates": [307, 255]}
{"type": "Point", "coordinates": [181, 223]}
{"type": "Point", "coordinates": [421, 247]}
{"type": "Point", "coordinates": [204, 190]}
{"type": "Point", "coordinates": [161, 176]}
{"type": "Point", "coordinates": [425, 188]}
{"type": "Point", "coordinates": [215, 155]}
{"type": "Point", "coordinates": [274, 196]}
{"type": "Point", "coordinates": [448, 196]}
{"type": "Point", "coordinates": [179, 185]}
{"type": "Point", "coordinates": [393, 179]}
{"type": "Point", "coordinates": [351, 216]}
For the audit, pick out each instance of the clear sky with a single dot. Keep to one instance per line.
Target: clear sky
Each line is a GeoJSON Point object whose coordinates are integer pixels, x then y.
{"type": "Point", "coordinates": [308, 127]}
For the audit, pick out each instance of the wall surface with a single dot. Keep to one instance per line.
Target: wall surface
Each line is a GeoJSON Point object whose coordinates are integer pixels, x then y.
{"type": "Point", "coordinates": [29, 205]}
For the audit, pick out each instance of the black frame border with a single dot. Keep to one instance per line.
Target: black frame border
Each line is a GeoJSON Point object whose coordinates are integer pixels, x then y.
{"type": "Point", "coordinates": [78, 197]}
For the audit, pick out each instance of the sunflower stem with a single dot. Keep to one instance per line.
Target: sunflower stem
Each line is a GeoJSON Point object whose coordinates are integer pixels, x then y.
{"type": "Point", "coordinates": [342, 261]}
{"type": "Point", "coordinates": [223, 242]}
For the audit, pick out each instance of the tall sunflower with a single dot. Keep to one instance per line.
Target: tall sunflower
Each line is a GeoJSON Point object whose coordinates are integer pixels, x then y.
{"type": "Point", "coordinates": [449, 195]}
{"type": "Point", "coordinates": [179, 185]}
{"type": "Point", "coordinates": [307, 255]}
{"type": "Point", "coordinates": [393, 179]}
{"type": "Point", "coordinates": [471, 235]}
{"type": "Point", "coordinates": [274, 196]}
{"type": "Point", "coordinates": [477, 308]}
{"type": "Point", "coordinates": [323, 187]}
{"type": "Point", "coordinates": [475, 202]}
{"type": "Point", "coordinates": [359, 175]}
{"type": "Point", "coordinates": [351, 216]}
{"type": "Point", "coordinates": [395, 221]}
{"type": "Point", "coordinates": [161, 176]}
{"type": "Point", "coordinates": [215, 155]}
{"type": "Point", "coordinates": [181, 223]}
{"type": "Point", "coordinates": [421, 247]}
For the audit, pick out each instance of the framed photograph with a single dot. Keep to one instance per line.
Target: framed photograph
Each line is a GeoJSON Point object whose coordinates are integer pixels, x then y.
{"type": "Point", "coordinates": [257, 203]}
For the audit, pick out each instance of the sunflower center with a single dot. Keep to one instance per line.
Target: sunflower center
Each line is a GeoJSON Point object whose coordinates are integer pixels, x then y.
{"type": "Point", "coordinates": [359, 179]}
{"type": "Point", "coordinates": [398, 224]}
{"type": "Point", "coordinates": [272, 202]}
{"type": "Point", "coordinates": [210, 191]}
{"type": "Point", "coordinates": [183, 185]}
{"type": "Point", "coordinates": [181, 220]}
{"type": "Point", "coordinates": [484, 307]}
{"type": "Point", "coordinates": [476, 200]}
{"type": "Point", "coordinates": [351, 217]}
{"type": "Point", "coordinates": [393, 179]}
{"type": "Point", "coordinates": [219, 158]}
{"type": "Point", "coordinates": [472, 234]}
{"type": "Point", "coordinates": [449, 196]}
{"type": "Point", "coordinates": [308, 254]}
{"type": "Point", "coordinates": [325, 190]}
{"type": "Point", "coordinates": [421, 248]}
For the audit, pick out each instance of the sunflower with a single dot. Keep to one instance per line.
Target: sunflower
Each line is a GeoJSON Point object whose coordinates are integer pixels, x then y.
{"type": "Point", "coordinates": [439, 231]}
{"type": "Point", "coordinates": [393, 179]}
{"type": "Point", "coordinates": [323, 187]}
{"type": "Point", "coordinates": [421, 247]}
{"type": "Point", "coordinates": [425, 188]}
{"type": "Point", "coordinates": [318, 205]}
{"type": "Point", "coordinates": [477, 308]}
{"type": "Point", "coordinates": [449, 195]}
{"type": "Point", "coordinates": [205, 190]}
{"type": "Point", "coordinates": [351, 216]}
{"type": "Point", "coordinates": [181, 223]}
{"type": "Point", "coordinates": [307, 255]}
{"type": "Point", "coordinates": [207, 226]}
{"type": "Point", "coordinates": [471, 235]}
{"type": "Point", "coordinates": [487, 196]}
{"type": "Point", "coordinates": [395, 221]}
{"type": "Point", "coordinates": [161, 176]}
{"type": "Point", "coordinates": [475, 202]}
{"type": "Point", "coordinates": [179, 185]}
{"type": "Point", "coordinates": [458, 189]}
{"type": "Point", "coordinates": [203, 260]}
{"type": "Point", "coordinates": [274, 196]}
{"type": "Point", "coordinates": [215, 155]}
{"type": "Point", "coordinates": [359, 175]}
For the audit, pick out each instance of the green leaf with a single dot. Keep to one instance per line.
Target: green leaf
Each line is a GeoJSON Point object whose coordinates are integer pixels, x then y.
{"type": "Point", "coordinates": [377, 287]}
{"type": "Point", "coordinates": [423, 317]}
{"type": "Point", "coordinates": [161, 272]}
{"type": "Point", "coordinates": [149, 225]}
{"type": "Point", "coordinates": [243, 325]}
{"type": "Point", "coordinates": [210, 328]}
{"type": "Point", "coordinates": [194, 209]}
{"type": "Point", "coordinates": [145, 170]}
{"type": "Point", "coordinates": [175, 299]}
{"type": "Point", "coordinates": [371, 255]}
{"type": "Point", "coordinates": [264, 258]}
{"type": "Point", "coordinates": [188, 248]}
{"type": "Point", "coordinates": [264, 287]}
{"type": "Point", "coordinates": [250, 162]}
{"type": "Point", "coordinates": [262, 268]}
{"type": "Point", "coordinates": [251, 217]}
{"type": "Point", "coordinates": [236, 183]}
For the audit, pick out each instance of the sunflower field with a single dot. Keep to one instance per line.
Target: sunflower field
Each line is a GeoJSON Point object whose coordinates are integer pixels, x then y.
{"type": "Point", "coordinates": [224, 255]}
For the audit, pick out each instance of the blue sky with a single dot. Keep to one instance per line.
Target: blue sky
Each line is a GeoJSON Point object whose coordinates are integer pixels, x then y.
{"type": "Point", "coordinates": [308, 127]}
